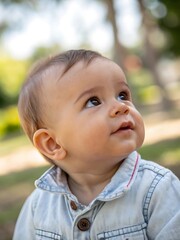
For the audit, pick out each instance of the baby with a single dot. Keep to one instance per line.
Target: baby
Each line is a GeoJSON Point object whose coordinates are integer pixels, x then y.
{"type": "Point", "coordinates": [77, 109]}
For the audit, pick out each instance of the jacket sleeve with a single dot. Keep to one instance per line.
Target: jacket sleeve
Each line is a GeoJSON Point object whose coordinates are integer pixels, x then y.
{"type": "Point", "coordinates": [24, 228]}
{"type": "Point", "coordinates": [164, 209]}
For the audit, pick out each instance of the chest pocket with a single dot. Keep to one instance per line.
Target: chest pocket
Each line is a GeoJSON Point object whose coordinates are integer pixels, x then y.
{"type": "Point", "coordinates": [136, 232]}
{"type": "Point", "coordinates": [45, 235]}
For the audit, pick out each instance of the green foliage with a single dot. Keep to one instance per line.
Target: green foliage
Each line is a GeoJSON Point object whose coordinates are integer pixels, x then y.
{"type": "Point", "coordinates": [9, 121]}
{"type": "Point", "coordinates": [3, 97]}
{"type": "Point", "coordinates": [143, 90]}
{"type": "Point", "coordinates": [12, 75]}
{"type": "Point", "coordinates": [170, 24]}
{"type": "Point", "coordinates": [149, 95]}
{"type": "Point", "coordinates": [167, 15]}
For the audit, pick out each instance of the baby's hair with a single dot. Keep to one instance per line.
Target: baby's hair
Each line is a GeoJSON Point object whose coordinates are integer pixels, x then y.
{"type": "Point", "coordinates": [30, 105]}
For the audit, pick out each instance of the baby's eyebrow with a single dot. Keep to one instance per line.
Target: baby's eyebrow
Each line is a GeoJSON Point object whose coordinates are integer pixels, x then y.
{"type": "Point", "coordinates": [90, 91]}
{"type": "Point", "coordinates": [123, 83]}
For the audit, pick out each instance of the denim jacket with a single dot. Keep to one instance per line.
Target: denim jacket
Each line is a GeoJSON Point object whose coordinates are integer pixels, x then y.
{"type": "Point", "coordinates": [142, 201]}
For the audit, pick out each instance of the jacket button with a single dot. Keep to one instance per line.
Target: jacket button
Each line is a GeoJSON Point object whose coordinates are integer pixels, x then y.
{"type": "Point", "coordinates": [83, 224]}
{"type": "Point", "coordinates": [73, 205]}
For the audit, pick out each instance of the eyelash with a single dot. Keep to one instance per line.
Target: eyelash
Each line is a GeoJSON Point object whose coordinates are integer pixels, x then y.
{"type": "Point", "coordinates": [125, 95]}
{"type": "Point", "coordinates": [95, 101]}
{"type": "Point", "coordinates": [89, 102]}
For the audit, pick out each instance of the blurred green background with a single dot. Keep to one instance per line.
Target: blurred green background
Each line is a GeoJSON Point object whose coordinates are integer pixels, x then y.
{"type": "Point", "coordinates": [141, 36]}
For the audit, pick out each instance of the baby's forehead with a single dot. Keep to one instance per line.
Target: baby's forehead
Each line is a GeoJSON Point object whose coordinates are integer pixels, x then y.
{"type": "Point", "coordinates": [58, 73]}
{"type": "Point", "coordinates": [83, 66]}
{"type": "Point", "coordinates": [61, 69]}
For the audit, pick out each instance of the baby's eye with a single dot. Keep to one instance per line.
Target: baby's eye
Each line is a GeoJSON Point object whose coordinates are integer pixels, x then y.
{"type": "Point", "coordinates": [92, 102]}
{"type": "Point", "coordinates": [123, 96]}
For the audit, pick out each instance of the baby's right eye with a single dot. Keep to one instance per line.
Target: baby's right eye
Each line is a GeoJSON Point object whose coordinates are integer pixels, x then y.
{"type": "Point", "coordinates": [92, 102]}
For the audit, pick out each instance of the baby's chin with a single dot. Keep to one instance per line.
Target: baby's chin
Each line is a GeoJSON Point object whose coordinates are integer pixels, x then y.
{"type": "Point", "coordinates": [133, 148]}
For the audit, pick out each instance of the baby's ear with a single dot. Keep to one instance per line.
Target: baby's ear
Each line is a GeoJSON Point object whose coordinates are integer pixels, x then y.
{"type": "Point", "coordinates": [47, 145]}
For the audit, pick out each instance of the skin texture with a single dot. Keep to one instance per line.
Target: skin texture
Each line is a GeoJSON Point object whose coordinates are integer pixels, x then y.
{"type": "Point", "coordinates": [92, 124]}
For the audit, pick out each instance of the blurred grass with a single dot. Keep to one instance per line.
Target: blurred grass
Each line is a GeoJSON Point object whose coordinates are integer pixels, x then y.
{"type": "Point", "coordinates": [15, 187]}
{"type": "Point", "coordinates": [162, 151]}
{"type": "Point", "coordinates": [166, 153]}
{"type": "Point", "coordinates": [25, 176]}
{"type": "Point", "coordinates": [13, 142]}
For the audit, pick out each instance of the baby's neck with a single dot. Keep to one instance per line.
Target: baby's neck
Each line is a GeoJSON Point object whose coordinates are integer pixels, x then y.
{"type": "Point", "coordinates": [86, 193]}
{"type": "Point", "coordinates": [86, 187]}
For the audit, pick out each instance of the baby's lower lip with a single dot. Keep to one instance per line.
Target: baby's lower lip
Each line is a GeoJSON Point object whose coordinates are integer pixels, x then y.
{"type": "Point", "coordinates": [121, 130]}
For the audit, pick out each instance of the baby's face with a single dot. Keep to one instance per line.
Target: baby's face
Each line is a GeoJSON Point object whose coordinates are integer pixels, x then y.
{"type": "Point", "coordinates": [92, 115]}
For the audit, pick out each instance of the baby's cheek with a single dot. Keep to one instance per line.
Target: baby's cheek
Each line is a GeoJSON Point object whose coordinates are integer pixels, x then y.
{"type": "Point", "coordinates": [95, 133]}
{"type": "Point", "coordinates": [139, 123]}
{"type": "Point", "coordinates": [141, 133]}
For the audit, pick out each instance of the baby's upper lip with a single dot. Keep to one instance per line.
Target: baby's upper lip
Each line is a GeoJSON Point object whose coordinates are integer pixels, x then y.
{"type": "Point", "coordinates": [126, 125]}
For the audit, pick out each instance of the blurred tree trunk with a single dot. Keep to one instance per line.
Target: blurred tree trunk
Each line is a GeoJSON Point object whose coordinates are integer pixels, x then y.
{"type": "Point", "coordinates": [119, 52]}
{"type": "Point", "coordinates": [151, 58]}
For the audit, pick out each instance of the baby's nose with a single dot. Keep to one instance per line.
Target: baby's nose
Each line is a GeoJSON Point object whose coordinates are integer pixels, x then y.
{"type": "Point", "coordinates": [119, 108]}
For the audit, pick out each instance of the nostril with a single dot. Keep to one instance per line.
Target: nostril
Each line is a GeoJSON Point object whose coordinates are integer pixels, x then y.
{"type": "Point", "coordinates": [126, 111]}
{"type": "Point", "coordinates": [117, 112]}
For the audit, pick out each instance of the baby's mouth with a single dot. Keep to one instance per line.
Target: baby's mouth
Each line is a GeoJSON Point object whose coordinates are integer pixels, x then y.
{"type": "Point", "coordinates": [125, 126]}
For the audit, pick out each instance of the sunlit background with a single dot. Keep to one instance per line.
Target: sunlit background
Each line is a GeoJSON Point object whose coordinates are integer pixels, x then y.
{"type": "Point", "coordinates": [70, 24]}
{"type": "Point", "coordinates": [142, 36]}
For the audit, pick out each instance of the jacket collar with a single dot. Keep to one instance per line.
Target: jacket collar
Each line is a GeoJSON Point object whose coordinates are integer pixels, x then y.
{"type": "Point", "coordinates": [55, 180]}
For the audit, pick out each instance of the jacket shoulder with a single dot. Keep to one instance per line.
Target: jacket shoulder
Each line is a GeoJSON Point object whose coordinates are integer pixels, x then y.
{"type": "Point", "coordinates": [155, 168]}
